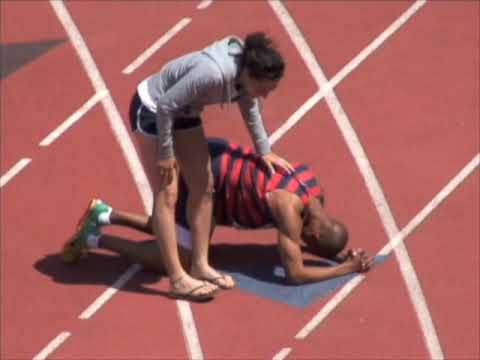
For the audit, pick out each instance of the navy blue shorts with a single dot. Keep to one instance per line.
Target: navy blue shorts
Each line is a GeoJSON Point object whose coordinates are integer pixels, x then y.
{"type": "Point", "coordinates": [145, 121]}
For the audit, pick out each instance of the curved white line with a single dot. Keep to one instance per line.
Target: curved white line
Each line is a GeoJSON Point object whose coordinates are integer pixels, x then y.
{"type": "Point", "coordinates": [121, 135]}
{"type": "Point", "coordinates": [376, 192]}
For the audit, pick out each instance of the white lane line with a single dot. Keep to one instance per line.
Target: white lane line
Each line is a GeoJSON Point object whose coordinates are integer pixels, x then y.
{"type": "Point", "coordinates": [14, 170]}
{"type": "Point", "coordinates": [282, 354]}
{"type": "Point", "coordinates": [113, 116]}
{"type": "Point", "coordinates": [376, 192]}
{"type": "Point", "coordinates": [204, 4]}
{"type": "Point", "coordinates": [296, 117]}
{"type": "Point", "coordinates": [346, 70]}
{"type": "Point", "coordinates": [108, 294]}
{"type": "Point", "coordinates": [72, 119]}
{"type": "Point", "coordinates": [110, 108]}
{"type": "Point", "coordinates": [329, 307]}
{"type": "Point", "coordinates": [407, 269]}
{"type": "Point", "coordinates": [156, 46]}
{"type": "Point", "coordinates": [188, 327]}
{"type": "Point", "coordinates": [121, 135]}
{"type": "Point", "coordinates": [52, 346]}
{"type": "Point", "coordinates": [432, 205]}
{"type": "Point", "coordinates": [379, 40]}
{"type": "Point", "coordinates": [387, 249]}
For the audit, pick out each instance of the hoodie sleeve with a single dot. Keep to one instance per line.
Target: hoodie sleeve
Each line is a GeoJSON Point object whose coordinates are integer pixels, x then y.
{"type": "Point", "coordinates": [250, 109]}
{"type": "Point", "coordinates": [196, 84]}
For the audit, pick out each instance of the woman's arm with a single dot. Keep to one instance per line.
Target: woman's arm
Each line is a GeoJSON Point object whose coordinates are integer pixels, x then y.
{"type": "Point", "coordinates": [250, 110]}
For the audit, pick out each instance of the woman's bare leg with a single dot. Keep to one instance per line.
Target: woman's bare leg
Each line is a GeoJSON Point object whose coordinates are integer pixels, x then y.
{"type": "Point", "coordinates": [192, 153]}
{"type": "Point", "coordinates": [163, 226]}
{"type": "Point", "coordinates": [163, 223]}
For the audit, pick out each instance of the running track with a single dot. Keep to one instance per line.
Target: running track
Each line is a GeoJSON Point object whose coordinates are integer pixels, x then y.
{"type": "Point", "coordinates": [380, 98]}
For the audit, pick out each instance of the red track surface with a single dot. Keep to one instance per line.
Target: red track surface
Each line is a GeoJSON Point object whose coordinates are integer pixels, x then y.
{"type": "Point", "coordinates": [413, 104]}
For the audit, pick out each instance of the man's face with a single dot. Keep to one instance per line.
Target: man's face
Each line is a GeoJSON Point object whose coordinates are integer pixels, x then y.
{"type": "Point", "coordinates": [317, 223]}
{"type": "Point", "coordinates": [312, 228]}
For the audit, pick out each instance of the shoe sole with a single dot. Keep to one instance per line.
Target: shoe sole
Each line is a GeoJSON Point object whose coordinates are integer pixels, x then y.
{"type": "Point", "coordinates": [67, 256]}
{"type": "Point", "coordinates": [193, 298]}
{"type": "Point", "coordinates": [189, 296]}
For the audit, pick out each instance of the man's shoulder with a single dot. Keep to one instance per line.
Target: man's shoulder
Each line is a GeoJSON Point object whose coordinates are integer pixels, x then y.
{"type": "Point", "coordinates": [284, 203]}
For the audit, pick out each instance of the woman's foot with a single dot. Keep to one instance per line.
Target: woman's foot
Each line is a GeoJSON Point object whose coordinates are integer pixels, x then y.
{"type": "Point", "coordinates": [214, 277]}
{"type": "Point", "coordinates": [188, 288]}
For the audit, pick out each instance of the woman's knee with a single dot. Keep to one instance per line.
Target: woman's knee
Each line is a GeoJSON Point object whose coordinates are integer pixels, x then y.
{"type": "Point", "coordinates": [203, 184]}
{"type": "Point", "coordinates": [166, 198]}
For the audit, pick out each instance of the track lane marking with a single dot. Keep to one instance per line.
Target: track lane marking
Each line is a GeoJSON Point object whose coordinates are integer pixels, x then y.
{"type": "Point", "coordinates": [186, 315]}
{"type": "Point", "coordinates": [346, 70]}
{"type": "Point", "coordinates": [407, 269]}
{"type": "Point", "coordinates": [399, 238]}
{"type": "Point", "coordinates": [14, 171]}
{"type": "Point", "coordinates": [282, 354]}
{"type": "Point", "coordinates": [130, 154]}
{"type": "Point", "coordinates": [112, 290]}
{"type": "Point", "coordinates": [52, 346]}
{"type": "Point", "coordinates": [204, 4]}
{"type": "Point", "coordinates": [315, 99]}
{"type": "Point", "coordinates": [113, 116]}
{"type": "Point", "coordinates": [72, 119]}
{"type": "Point", "coordinates": [156, 46]}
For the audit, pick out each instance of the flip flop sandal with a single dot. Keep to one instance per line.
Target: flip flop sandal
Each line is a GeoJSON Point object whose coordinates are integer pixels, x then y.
{"type": "Point", "coordinates": [191, 296]}
{"type": "Point", "coordinates": [215, 281]}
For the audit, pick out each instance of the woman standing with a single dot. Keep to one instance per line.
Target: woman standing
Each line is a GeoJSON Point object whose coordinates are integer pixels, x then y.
{"type": "Point", "coordinates": [167, 105]}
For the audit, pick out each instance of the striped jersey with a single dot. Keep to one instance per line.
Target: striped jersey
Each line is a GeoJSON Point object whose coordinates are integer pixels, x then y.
{"type": "Point", "coordinates": [242, 182]}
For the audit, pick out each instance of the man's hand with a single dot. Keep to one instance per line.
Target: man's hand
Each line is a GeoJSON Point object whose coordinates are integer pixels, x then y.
{"type": "Point", "coordinates": [271, 160]}
{"type": "Point", "coordinates": [359, 260]}
{"type": "Point", "coordinates": [165, 169]}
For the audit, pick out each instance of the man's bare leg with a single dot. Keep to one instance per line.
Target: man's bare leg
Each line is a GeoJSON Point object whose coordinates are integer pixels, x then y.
{"type": "Point", "coordinates": [145, 253]}
{"type": "Point", "coordinates": [136, 221]}
{"type": "Point", "coordinates": [88, 237]}
{"type": "Point", "coordinates": [148, 248]}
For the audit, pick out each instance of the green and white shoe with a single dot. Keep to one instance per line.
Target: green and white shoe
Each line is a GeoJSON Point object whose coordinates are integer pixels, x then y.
{"type": "Point", "coordinates": [76, 247]}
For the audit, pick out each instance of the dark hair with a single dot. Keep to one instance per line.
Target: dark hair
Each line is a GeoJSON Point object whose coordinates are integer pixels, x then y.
{"type": "Point", "coordinates": [261, 59]}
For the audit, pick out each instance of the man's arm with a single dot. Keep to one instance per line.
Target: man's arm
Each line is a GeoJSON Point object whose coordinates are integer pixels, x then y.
{"type": "Point", "coordinates": [286, 209]}
{"type": "Point", "coordinates": [298, 273]}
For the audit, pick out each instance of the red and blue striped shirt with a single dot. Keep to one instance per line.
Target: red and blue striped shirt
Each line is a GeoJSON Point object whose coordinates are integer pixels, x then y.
{"type": "Point", "coordinates": [242, 181]}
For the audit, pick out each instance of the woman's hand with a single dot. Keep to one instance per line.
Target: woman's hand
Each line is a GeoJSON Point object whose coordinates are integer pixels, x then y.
{"type": "Point", "coordinates": [271, 160]}
{"type": "Point", "coordinates": [165, 169]}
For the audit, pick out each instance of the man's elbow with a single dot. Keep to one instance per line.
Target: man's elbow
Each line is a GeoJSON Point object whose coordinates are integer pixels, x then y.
{"type": "Point", "coordinates": [295, 276]}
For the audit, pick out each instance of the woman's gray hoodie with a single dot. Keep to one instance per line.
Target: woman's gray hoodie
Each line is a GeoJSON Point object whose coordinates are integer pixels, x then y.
{"type": "Point", "coordinates": [185, 85]}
